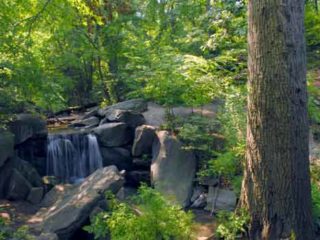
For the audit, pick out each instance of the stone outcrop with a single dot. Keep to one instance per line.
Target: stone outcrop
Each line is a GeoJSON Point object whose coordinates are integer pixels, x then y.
{"type": "Point", "coordinates": [172, 169]}
{"type": "Point", "coordinates": [131, 118]}
{"type": "Point", "coordinates": [6, 146]}
{"type": "Point", "coordinates": [19, 187]}
{"type": "Point", "coordinates": [72, 209]}
{"type": "Point", "coordinates": [117, 156]}
{"type": "Point", "coordinates": [113, 134]}
{"type": "Point", "coordinates": [143, 140]}
{"type": "Point", "coordinates": [221, 199]}
{"type": "Point", "coordinates": [27, 126]}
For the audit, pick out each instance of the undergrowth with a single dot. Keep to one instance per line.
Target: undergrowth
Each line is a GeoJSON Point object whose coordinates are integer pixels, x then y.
{"type": "Point", "coordinates": [148, 216]}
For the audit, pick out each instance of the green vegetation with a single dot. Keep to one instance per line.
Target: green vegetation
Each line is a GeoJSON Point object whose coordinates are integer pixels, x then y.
{"type": "Point", "coordinates": [232, 225]}
{"type": "Point", "coordinates": [22, 233]}
{"type": "Point", "coordinates": [148, 216]}
{"type": "Point", "coordinates": [56, 54]}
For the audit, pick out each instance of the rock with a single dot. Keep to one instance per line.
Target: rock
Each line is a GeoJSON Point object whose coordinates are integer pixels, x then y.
{"type": "Point", "coordinates": [87, 122]}
{"type": "Point", "coordinates": [71, 211]}
{"type": "Point", "coordinates": [5, 174]}
{"type": "Point", "coordinates": [57, 193]}
{"type": "Point", "coordinates": [24, 173]}
{"type": "Point", "coordinates": [35, 195]}
{"type": "Point", "coordinates": [209, 181]}
{"type": "Point", "coordinates": [156, 114]}
{"type": "Point", "coordinates": [143, 140]}
{"type": "Point", "coordinates": [6, 146]}
{"type": "Point", "coordinates": [133, 119]}
{"type": "Point", "coordinates": [48, 236]}
{"type": "Point", "coordinates": [91, 113]}
{"type": "Point", "coordinates": [27, 126]}
{"type": "Point", "coordinates": [125, 193]}
{"type": "Point", "coordinates": [221, 199]}
{"type": "Point", "coordinates": [141, 164]}
{"type": "Point", "coordinates": [137, 105]}
{"type": "Point", "coordinates": [134, 178]}
{"type": "Point", "coordinates": [113, 134]}
{"type": "Point", "coordinates": [19, 187]}
{"type": "Point", "coordinates": [34, 151]}
{"type": "Point", "coordinates": [49, 182]}
{"type": "Point", "coordinates": [95, 212]}
{"type": "Point", "coordinates": [29, 173]}
{"type": "Point", "coordinates": [172, 168]}
{"type": "Point", "coordinates": [117, 156]}
{"type": "Point", "coordinates": [200, 202]}
{"type": "Point", "coordinates": [91, 121]}
{"type": "Point", "coordinates": [197, 191]}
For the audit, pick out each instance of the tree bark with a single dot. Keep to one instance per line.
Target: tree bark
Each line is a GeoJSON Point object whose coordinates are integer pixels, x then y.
{"type": "Point", "coordinates": [276, 187]}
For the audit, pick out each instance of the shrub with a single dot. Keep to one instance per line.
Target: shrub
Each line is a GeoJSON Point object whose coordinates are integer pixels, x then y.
{"type": "Point", "coordinates": [231, 225]}
{"type": "Point", "coordinates": [149, 216]}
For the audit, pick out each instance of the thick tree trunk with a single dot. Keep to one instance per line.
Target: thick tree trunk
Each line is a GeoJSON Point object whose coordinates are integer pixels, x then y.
{"type": "Point", "coordinates": [276, 186]}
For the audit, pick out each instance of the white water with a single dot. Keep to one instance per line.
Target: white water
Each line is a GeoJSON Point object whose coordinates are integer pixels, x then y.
{"type": "Point", "coordinates": [72, 157]}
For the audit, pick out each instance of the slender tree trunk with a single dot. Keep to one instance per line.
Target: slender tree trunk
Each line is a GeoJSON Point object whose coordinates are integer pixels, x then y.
{"type": "Point", "coordinates": [276, 186]}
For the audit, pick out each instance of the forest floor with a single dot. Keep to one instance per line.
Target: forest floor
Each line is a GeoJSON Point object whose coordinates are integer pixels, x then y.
{"type": "Point", "coordinates": [18, 213]}
{"type": "Point", "coordinates": [204, 225]}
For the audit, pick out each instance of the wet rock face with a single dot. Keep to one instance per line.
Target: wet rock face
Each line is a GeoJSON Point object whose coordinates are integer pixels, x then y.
{"type": "Point", "coordinates": [172, 169]}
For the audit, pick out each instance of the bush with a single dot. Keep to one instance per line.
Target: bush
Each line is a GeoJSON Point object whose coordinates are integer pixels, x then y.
{"type": "Point", "coordinates": [231, 225]}
{"type": "Point", "coordinates": [149, 216]}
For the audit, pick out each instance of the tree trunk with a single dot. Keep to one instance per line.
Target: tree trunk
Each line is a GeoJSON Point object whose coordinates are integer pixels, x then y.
{"type": "Point", "coordinates": [276, 185]}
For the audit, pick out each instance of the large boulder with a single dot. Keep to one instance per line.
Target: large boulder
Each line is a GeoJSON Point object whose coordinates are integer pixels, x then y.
{"type": "Point", "coordinates": [27, 126]}
{"type": "Point", "coordinates": [17, 178]}
{"type": "Point", "coordinates": [71, 211]}
{"type": "Point", "coordinates": [34, 151]}
{"type": "Point", "coordinates": [35, 195]}
{"type": "Point", "coordinates": [117, 156]}
{"type": "Point", "coordinates": [137, 105]}
{"type": "Point", "coordinates": [132, 118]}
{"type": "Point", "coordinates": [172, 169]}
{"type": "Point", "coordinates": [221, 199]}
{"type": "Point", "coordinates": [5, 174]}
{"type": "Point", "coordinates": [93, 112]}
{"type": "Point", "coordinates": [6, 146]}
{"type": "Point", "coordinates": [143, 140]}
{"type": "Point", "coordinates": [87, 122]}
{"type": "Point", "coordinates": [113, 134]}
{"type": "Point", "coordinates": [19, 187]}
{"type": "Point", "coordinates": [29, 173]}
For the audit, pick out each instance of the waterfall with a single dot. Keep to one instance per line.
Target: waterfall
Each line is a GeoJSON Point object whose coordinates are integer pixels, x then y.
{"type": "Point", "coordinates": [72, 157]}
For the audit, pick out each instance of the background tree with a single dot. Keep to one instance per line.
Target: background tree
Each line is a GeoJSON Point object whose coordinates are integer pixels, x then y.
{"type": "Point", "coordinates": [276, 187]}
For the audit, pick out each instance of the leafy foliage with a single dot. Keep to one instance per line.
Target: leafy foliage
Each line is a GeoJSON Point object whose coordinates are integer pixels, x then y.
{"type": "Point", "coordinates": [148, 217]}
{"type": "Point", "coordinates": [231, 225]}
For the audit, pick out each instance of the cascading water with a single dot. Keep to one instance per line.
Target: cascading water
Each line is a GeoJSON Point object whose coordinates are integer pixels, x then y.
{"type": "Point", "coordinates": [72, 157]}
